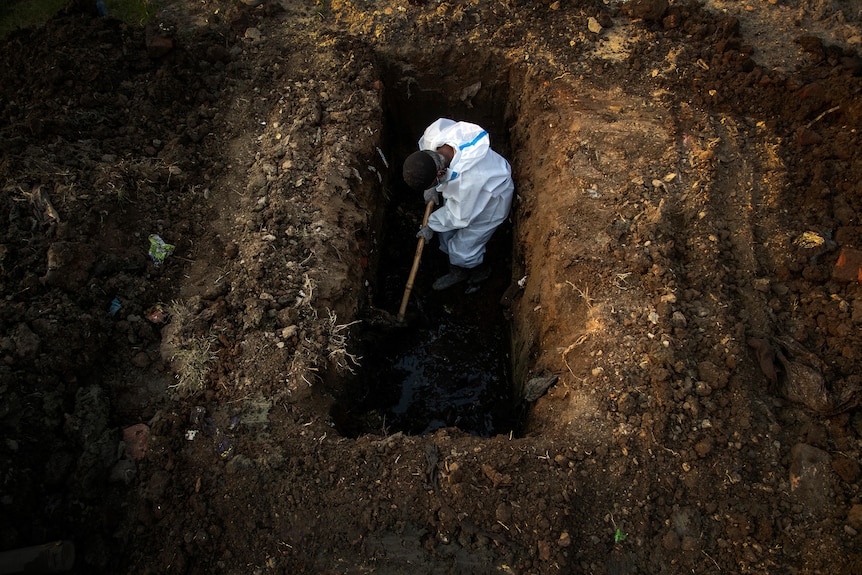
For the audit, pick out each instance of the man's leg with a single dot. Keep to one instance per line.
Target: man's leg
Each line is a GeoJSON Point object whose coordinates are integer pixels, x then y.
{"type": "Point", "coordinates": [466, 250]}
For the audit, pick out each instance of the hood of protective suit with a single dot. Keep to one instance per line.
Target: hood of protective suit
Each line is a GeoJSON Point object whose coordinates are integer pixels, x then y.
{"type": "Point", "coordinates": [470, 142]}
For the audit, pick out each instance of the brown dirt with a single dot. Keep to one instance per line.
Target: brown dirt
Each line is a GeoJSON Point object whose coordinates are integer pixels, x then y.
{"type": "Point", "coordinates": [685, 228]}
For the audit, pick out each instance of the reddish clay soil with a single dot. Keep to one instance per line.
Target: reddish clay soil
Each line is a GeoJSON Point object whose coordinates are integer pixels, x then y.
{"type": "Point", "coordinates": [678, 288]}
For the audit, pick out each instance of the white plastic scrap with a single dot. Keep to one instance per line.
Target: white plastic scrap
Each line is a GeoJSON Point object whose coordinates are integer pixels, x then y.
{"type": "Point", "coordinates": [382, 157]}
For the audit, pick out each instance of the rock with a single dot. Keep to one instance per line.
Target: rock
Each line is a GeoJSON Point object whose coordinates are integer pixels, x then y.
{"type": "Point", "coordinates": [537, 386]}
{"type": "Point", "coordinates": [761, 285]}
{"type": "Point", "coordinates": [703, 447]}
{"type": "Point", "coordinates": [593, 25]}
{"type": "Point", "coordinates": [604, 19]}
{"type": "Point", "coordinates": [158, 43]}
{"type": "Point", "coordinates": [650, 10]}
{"type": "Point", "coordinates": [808, 137]}
{"type": "Point", "coordinates": [565, 539]}
{"type": "Point", "coordinates": [847, 469]}
{"type": "Point", "coordinates": [687, 522]}
{"type": "Point", "coordinates": [670, 541]}
{"type": "Point", "coordinates": [711, 374]}
{"type": "Point", "coordinates": [671, 21]}
{"type": "Point", "coordinates": [497, 478]}
{"type": "Point", "coordinates": [626, 404]}
{"type": "Point", "coordinates": [803, 381]}
{"type": "Point", "coordinates": [141, 360]}
{"type": "Point", "coordinates": [811, 479]}
{"type": "Point", "coordinates": [231, 250]}
{"type": "Point", "coordinates": [702, 389]}
{"type": "Point", "coordinates": [765, 358]}
{"type": "Point", "coordinates": [136, 440]}
{"type": "Point", "coordinates": [854, 516]}
{"type": "Point", "coordinates": [123, 471]}
{"type": "Point", "coordinates": [810, 44]}
{"type": "Point", "coordinates": [690, 543]}
{"type": "Point", "coordinates": [848, 268]}
{"type": "Point", "coordinates": [504, 512]}
{"type": "Point", "coordinates": [27, 344]}
{"type": "Point", "coordinates": [544, 550]}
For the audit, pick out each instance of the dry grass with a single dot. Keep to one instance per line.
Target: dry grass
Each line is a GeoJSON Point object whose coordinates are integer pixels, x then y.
{"type": "Point", "coordinates": [193, 358]}
{"type": "Point", "coordinates": [337, 345]}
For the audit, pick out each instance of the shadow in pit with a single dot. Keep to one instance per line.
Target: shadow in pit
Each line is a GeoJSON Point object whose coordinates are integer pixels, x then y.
{"type": "Point", "coordinates": [449, 364]}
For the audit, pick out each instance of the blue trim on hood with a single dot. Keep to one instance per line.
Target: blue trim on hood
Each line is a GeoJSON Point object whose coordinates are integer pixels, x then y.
{"type": "Point", "coordinates": [474, 140]}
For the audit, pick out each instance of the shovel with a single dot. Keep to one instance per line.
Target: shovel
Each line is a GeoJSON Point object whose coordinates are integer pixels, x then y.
{"type": "Point", "coordinates": [419, 246]}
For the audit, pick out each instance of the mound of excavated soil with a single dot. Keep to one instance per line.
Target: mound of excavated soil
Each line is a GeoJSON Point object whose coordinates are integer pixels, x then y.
{"type": "Point", "coordinates": [195, 214]}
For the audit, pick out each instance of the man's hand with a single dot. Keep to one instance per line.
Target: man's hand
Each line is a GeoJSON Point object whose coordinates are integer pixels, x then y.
{"type": "Point", "coordinates": [431, 195]}
{"type": "Point", "coordinates": [426, 233]}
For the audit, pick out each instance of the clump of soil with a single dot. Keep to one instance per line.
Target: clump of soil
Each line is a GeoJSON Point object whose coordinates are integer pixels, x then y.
{"type": "Point", "coordinates": [681, 300]}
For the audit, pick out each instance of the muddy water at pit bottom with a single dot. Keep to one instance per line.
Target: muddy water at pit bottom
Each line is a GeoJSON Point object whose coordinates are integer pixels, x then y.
{"type": "Point", "coordinates": [448, 374]}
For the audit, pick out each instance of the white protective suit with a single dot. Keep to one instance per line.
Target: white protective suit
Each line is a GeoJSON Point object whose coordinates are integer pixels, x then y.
{"type": "Point", "coordinates": [477, 191]}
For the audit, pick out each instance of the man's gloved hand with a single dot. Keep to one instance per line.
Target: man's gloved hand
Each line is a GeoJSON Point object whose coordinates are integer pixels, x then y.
{"type": "Point", "coordinates": [426, 233]}
{"type": "Point", "coordinates": [431, 195]}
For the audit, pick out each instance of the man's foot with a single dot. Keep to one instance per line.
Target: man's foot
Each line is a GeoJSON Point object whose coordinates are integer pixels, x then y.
{"type": "Point", "coordinates": [455, 276]}
{"type": "Point", "coordinates": [476, 276]}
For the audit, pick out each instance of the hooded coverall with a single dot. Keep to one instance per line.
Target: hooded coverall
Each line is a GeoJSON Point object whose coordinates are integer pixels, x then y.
{"type": "Point", "coordinates": [477, 190]}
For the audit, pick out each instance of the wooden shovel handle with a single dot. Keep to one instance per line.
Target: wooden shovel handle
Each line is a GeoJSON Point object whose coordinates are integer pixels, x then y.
{"type": "Point", "coordinates": [419, 246]}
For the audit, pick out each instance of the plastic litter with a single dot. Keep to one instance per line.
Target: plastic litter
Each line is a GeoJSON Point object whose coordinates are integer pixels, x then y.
{"type": "Point", "coordinates": [224, 446]}
{"type": "Point", "coordinates": [382, 157]}
{"type": "Point", "coordinates": [156, 314]}
{"type": "Point", "coordinates": [159, 250]}
{"type": "Point", "coordinates": [224, 443]}
{"type": "Point", "coordinates": [197, 415]}
{"type": "Point", "coordinates": [115, 306]}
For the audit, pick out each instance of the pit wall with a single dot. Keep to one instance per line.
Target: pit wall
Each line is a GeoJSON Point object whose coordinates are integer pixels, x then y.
{"type": "Point", "coordinates": [535, 223]}
{"type": "Point", "coordinates": [579, 153]}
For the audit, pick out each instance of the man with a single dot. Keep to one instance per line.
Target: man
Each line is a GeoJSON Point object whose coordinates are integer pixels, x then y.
{"type": "Point", "coordinates": [455, 160]}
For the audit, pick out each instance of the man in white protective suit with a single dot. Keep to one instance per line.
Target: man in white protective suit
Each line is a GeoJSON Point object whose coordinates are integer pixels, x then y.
{"type": "Point", "coordinates": [455, 160]}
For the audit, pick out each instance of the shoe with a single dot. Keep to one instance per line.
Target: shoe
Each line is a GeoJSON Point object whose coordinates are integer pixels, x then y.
{"type": "Point", "coordinates": [475, 278]}
{"type": "Point", "coordinates": [455, 276]}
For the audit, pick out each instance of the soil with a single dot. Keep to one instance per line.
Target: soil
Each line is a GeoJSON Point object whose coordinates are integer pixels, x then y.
{"type": "Point", "coordinates": [678, 290]}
